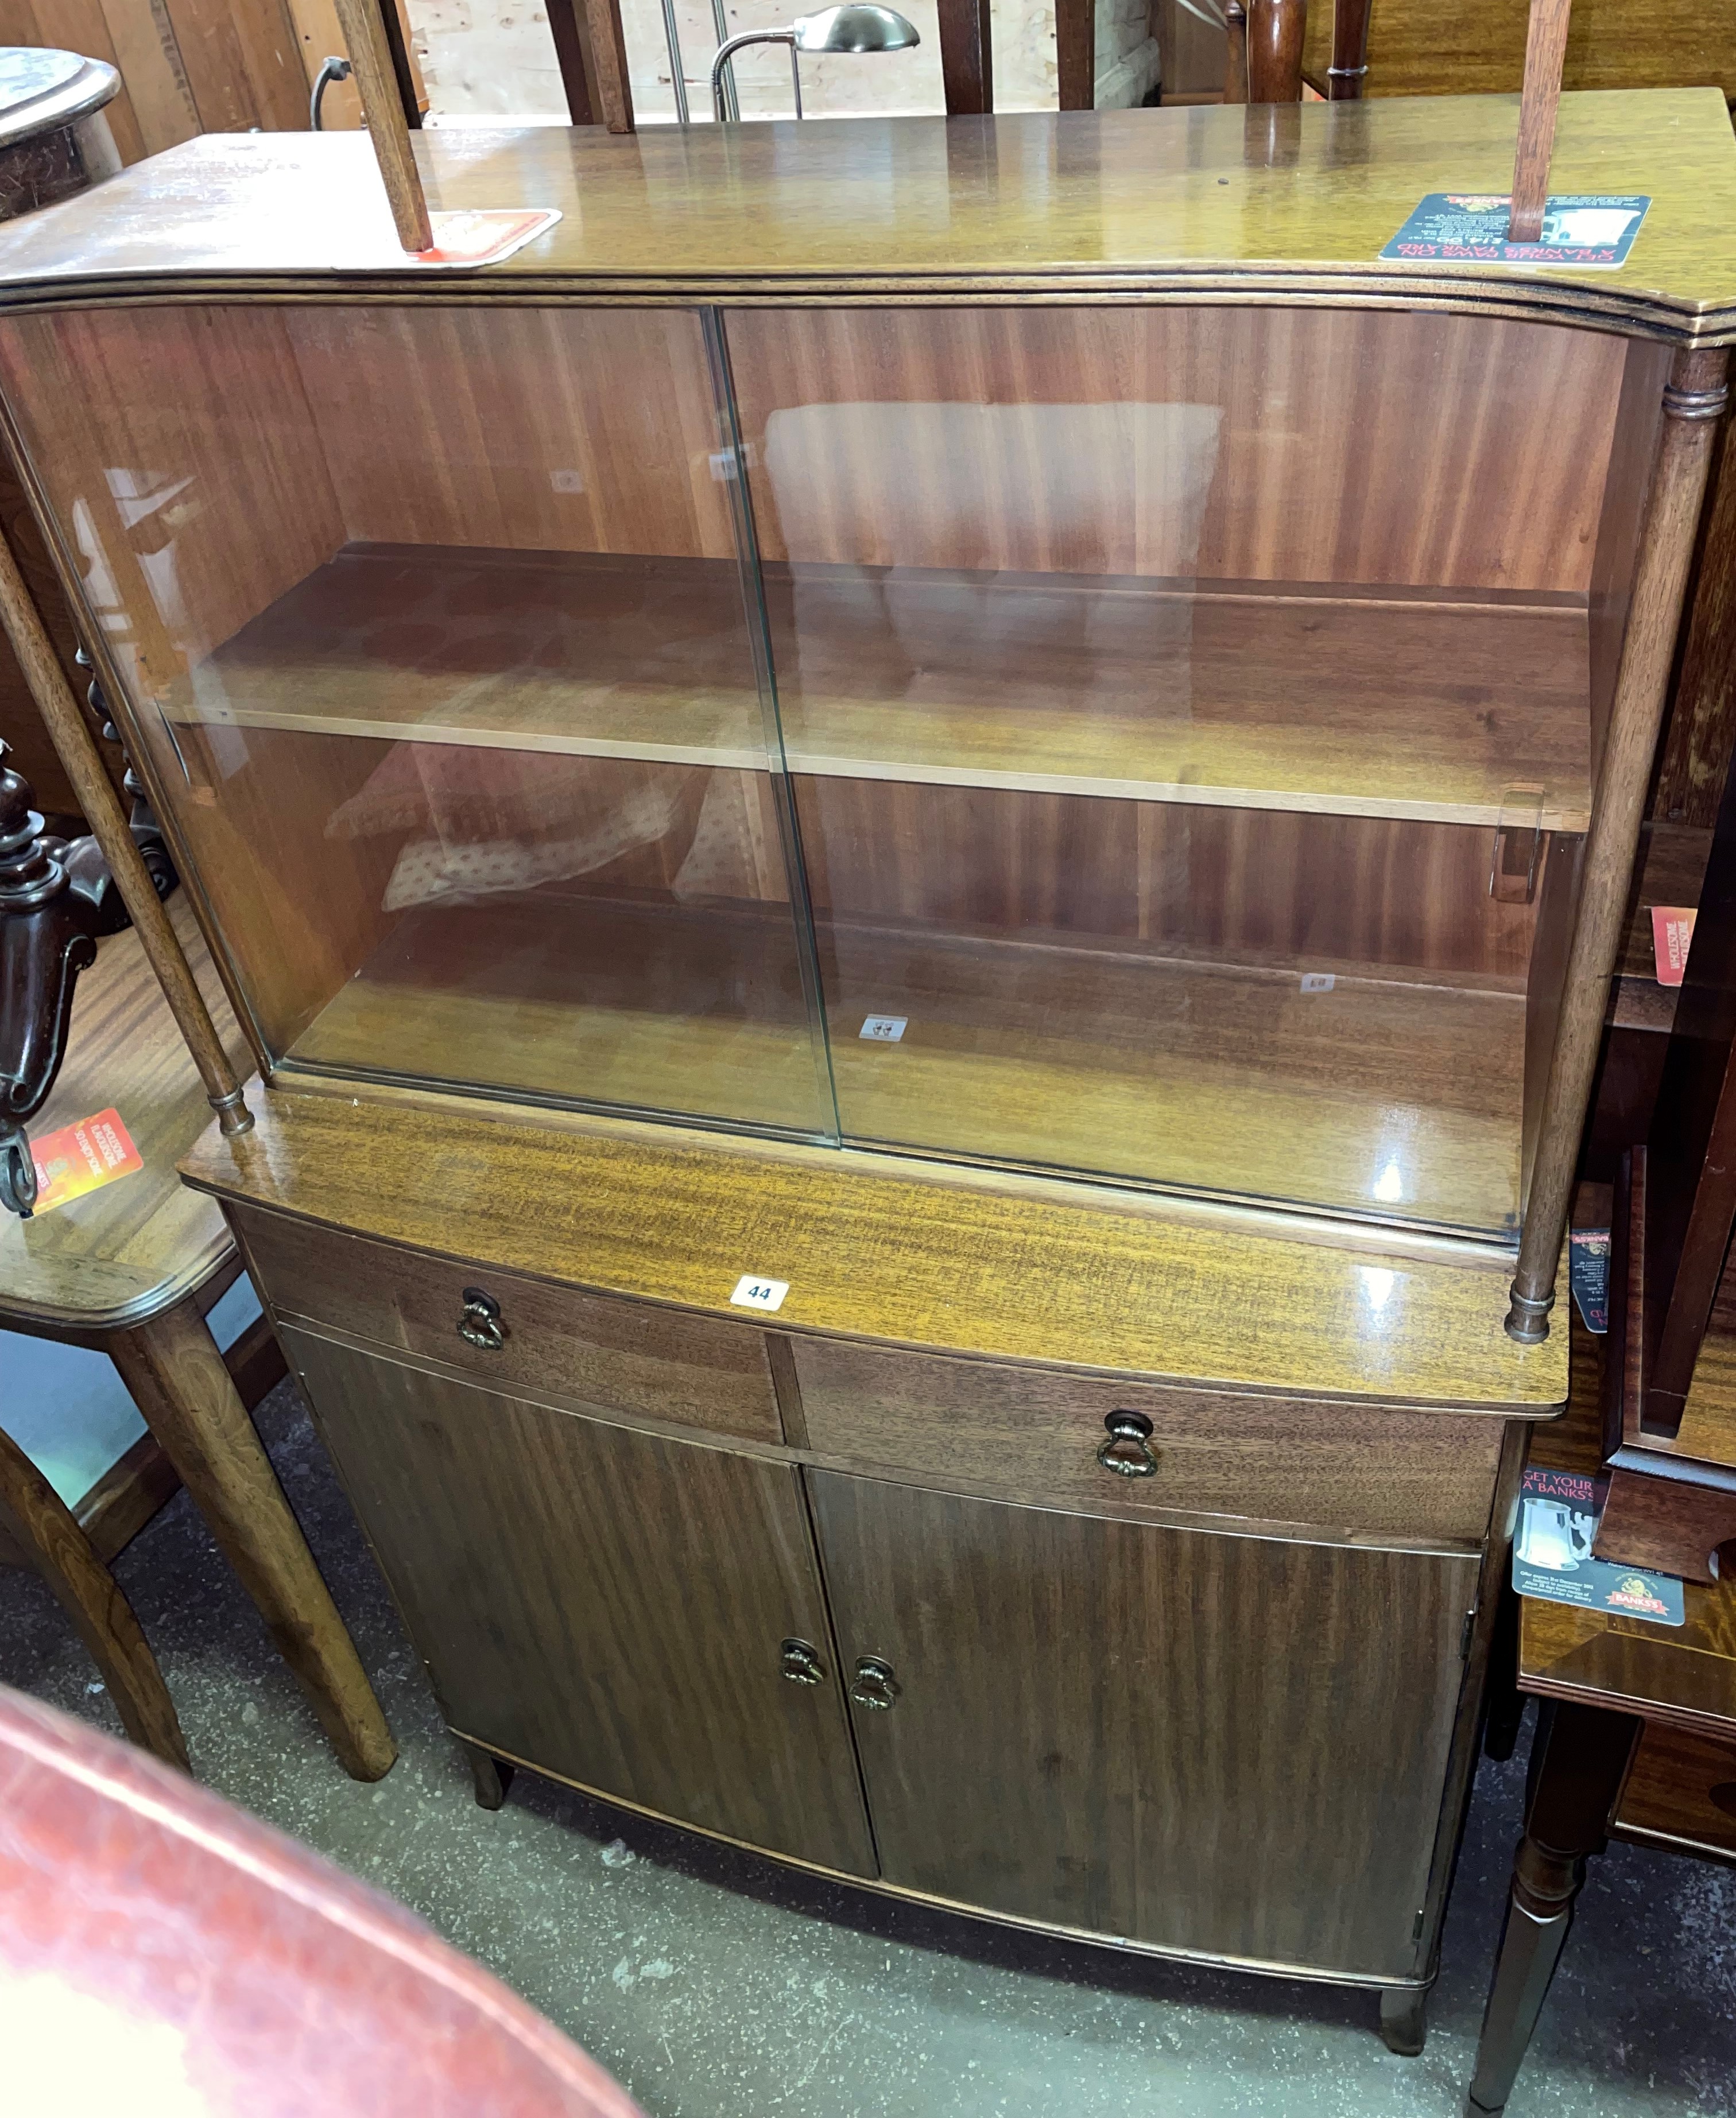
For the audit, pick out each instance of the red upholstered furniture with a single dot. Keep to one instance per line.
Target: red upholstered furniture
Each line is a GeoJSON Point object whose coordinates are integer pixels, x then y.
{"type": "Point", "coordinates": [159, 1943]}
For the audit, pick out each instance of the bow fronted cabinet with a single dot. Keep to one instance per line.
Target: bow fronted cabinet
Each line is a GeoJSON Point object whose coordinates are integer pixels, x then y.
{"type": "Point", "coordinates": [923, 827]}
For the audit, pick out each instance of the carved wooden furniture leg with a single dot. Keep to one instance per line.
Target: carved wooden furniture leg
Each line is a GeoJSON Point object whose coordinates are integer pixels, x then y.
{"type": "Point", "coordinates": [1404, 2019]}
{"type": "Point", "coordinates": [42, 1525]}
{"type": "Point", "coordinates": [1577, 1768]}
{"type": "Point", "coordinates": [492, 1775]}
{"type": "Point", "coordinates": [180, 1384]}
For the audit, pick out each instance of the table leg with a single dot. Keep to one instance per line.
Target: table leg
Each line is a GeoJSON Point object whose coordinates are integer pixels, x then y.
{"type": "Point", "coordinates": [42, 1525]}
{"type": "Point", "coordinates": [178, 1381]}
{"type": "Point", "coordinates": [1578, 1763]}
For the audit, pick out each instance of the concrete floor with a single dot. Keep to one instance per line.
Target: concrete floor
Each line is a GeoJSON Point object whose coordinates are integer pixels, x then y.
{"type": "Point", "coordinates": [715, 1985]}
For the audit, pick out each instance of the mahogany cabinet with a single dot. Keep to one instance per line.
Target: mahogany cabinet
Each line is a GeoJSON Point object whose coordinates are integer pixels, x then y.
{"type": "Point", "coordinates": [922, 827]}
{"type": "Point", "coordinates": [1118, 1704]}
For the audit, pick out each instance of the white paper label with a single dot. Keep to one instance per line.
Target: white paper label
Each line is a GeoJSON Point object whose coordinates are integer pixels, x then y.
{"type": "Point", "coordinates": [1318, 981]}
{"type": "Point", "coordinates": [885, 1029]}
{"type": "Point", "coordinates": [754, 1291]}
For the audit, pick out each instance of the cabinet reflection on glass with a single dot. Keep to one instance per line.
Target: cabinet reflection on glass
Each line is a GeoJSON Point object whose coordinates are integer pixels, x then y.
{"type": "Point", "coordinates": [641, 708]}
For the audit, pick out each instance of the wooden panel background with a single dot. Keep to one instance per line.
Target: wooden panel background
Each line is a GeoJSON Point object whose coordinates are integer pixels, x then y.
{"type": "Point", "coordinates": [1477, 47]}
{"type": "Point", "coordinates": [451, 427]}
{"type": "Point", "coordinates": [187, 67]}
{"type": "Point", "coordinates": [202, 411]}
{"type": "Point", "coordinates": [1257, 885]}
{"type": "Point", "coordinates": [1319, 476]}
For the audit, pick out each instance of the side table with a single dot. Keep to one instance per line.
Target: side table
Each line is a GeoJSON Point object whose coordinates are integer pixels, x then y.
{"type": "Point", "coordinates": [131, 1269]}
{"type": "Point", "coordinates": [1636, 1741]}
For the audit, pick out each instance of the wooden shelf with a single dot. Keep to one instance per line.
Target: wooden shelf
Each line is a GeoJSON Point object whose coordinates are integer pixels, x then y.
{"type": "Point", "coordinates": [1384, 1097]}
{"type": "Point", "coordinates": [1389, 1099]}
{"type": "Point", "coordinates": [1249, 695]}
{"type": "Point", "coordinates": [548, 992]}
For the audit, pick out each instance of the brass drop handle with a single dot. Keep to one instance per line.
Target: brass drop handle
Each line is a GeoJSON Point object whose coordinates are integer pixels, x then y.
{"type": "Point", "coordinates": [1128, 1449]}
{"type": "Point", "coordinates": [800, 1662]}
{"type": "Point", "coordinates": [478, 1322]}
{"type": "Point", "coordinates": [874, 1685]}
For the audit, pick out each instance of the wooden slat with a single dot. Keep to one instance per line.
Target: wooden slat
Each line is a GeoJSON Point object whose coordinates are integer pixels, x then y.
{"type": "Point", "coordinates": [148, 53]}
{"type": "Point", "coordinates": [613, 98]}
{"type": "Point", "coordinates": [966, 57]}
{"type": "Point", "coordinates": [1546, 45]}
{"type": "Point", "coordinates": [1075, 52]}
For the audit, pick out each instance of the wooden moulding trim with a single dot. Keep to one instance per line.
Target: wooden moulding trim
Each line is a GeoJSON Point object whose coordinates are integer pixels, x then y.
{"type": "Point", "coordinates": [1691, 1720]}
{"type": "Point", "coordinates": [1693, 398]}
{"type": "Point", "coordinates": [1265, 1967]}
{"type": "Point", "coordinates": [1468, 293]}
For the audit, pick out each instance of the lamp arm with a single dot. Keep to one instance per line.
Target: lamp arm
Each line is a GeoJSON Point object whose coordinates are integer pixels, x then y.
{"type": "Point", "coordinates": [727, 52]}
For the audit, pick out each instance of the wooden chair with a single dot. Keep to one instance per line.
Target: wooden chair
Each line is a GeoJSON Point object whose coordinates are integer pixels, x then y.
{"type": "Point", "coordinates": [132, 1269]}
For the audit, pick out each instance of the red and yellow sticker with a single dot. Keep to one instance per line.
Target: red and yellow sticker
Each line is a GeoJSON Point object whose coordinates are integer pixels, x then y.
{"type": "Point", "coordinates": [82, 1158]}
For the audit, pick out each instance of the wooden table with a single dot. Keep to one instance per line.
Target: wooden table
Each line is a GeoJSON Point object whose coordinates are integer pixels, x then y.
{"type": "Point", "coordinates": [132, 1269]}
{"type": "Point", "coordinates": [1637, 1740]}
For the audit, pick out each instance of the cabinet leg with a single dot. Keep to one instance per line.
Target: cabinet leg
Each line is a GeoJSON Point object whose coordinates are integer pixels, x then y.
{"type": "Point", "coordinates": [43, 1526]}
{"type": "Point", "coordinates": [179, 1382]}
{"type": "Point", "coordinates": [492, 1775]}
{"type": "Point", "coordinates": [1578, 1764]}
{"type": "Point", "coordinates": [1404, 2020]}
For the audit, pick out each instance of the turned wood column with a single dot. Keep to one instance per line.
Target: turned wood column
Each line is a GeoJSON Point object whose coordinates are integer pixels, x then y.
{"type": "Point", "coordinates": [1694, 399]}
{"type": "Point", "coordinates": [1577, 1768]}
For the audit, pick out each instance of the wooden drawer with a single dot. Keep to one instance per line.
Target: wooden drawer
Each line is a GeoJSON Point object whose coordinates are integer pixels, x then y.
{"type": "Point", "coordinates": [622, 1356]}
{"type": "Point", "coordinates": [1033, 1434]}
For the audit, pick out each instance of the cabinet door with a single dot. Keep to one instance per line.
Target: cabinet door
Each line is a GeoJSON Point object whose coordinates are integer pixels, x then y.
{"type": "Point", "coordinates": [1231, 1745]}
{"type": "Point", "coordinates": [607, 1604]}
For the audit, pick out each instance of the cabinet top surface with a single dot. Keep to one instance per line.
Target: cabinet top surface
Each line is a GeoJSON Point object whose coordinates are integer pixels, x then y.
{"type": "Point", "coordinates": [1000, 1268]}
{"type": "Point", "coordinates": [1268, 202]}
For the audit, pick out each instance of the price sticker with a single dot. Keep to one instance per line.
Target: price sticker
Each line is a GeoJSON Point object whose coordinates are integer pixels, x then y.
{"type": "Point", "coordinates": [1318, 980]}
{"type": "Point", "coordinates": [885, 1029]}
{"type": "Point", "coordinates": [754, 1291]}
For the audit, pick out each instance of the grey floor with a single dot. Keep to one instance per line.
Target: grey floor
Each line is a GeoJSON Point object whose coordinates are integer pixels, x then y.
{"type": "Point", "coordinates": [714, 1986]}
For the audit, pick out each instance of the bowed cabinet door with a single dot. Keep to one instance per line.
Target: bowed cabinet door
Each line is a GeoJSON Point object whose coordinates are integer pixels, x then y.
{"type": "Point", "coordinates": [603, 1603]}
{"type": "Point", "coordinates": [1233, 1746]}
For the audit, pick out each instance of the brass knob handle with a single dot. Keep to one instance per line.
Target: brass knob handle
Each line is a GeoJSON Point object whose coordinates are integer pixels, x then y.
{"type": "Point", "coordinates": [478, 1322]}
{"type": "Point", "coordinates": [874, 1684]}
{"type": "Point", "coordinates": [801, 1664]}
{"type": "Point", "coordinates": [1128, 1449]}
